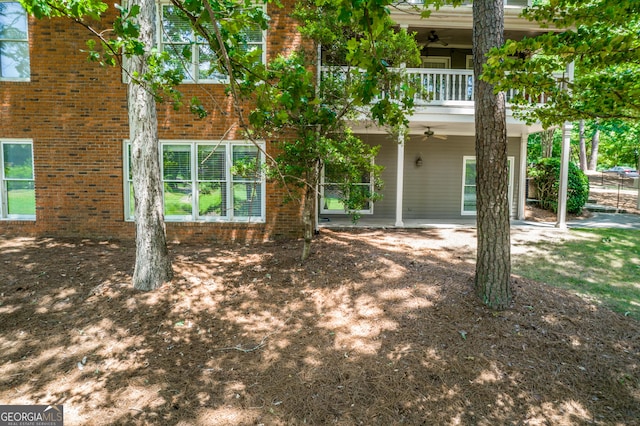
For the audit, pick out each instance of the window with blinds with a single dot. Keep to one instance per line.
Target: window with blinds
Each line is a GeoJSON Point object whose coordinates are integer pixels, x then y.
{"type": "Point", "coordinates": [191, 53]}
{"type": "Point", "coordinates": [208, 181]}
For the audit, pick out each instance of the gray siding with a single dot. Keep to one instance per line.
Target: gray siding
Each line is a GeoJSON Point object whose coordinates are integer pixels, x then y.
{"type": "Point", "coordinates": [388, 157]}
{"type": "Point", "coordinates": [434, 189]}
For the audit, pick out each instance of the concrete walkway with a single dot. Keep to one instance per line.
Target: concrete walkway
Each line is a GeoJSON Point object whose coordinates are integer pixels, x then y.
{"type": "Point", "coordinates": [608, 220]}
{"type": "Point", "coordinates": [597, 220]}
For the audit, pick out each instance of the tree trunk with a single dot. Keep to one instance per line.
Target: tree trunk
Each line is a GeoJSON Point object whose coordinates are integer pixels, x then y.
{"type": "Point", "coordinates": [153, 265]}
{"type": "Point", "coordinates": [493, 265]}
{"type": "Point", "coordinates": [546, 142]}
{"type": "Point", "coordinates": [583, 147]}
{"type": "Point", "coordinates": [308, 211]}
{"type": "Point", "coordinates": [595, 145]}
{"type": "Point", "coordinates": [309, 208]}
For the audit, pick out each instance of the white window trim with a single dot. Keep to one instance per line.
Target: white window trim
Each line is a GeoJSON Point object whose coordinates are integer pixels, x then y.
{"type": "Point", "coordinates": [193, 79]}
{"type": "Point", "coordinates": [511, 160]}
{"type": "Point", "coordinates": [4, 215]}
{"type": "Point", "coordinates": [445, 60]}
{"type": "Point", "coordinates": [18, 79]}
{"type": "Point", "coordinates": [469, 62]}
{"type": "Point", "coordinates": [230, 217]}
{"type": "Point", "coordinates": [329, 211]}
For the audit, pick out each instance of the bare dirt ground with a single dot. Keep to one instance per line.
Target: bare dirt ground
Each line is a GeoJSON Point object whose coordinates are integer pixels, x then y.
{"type": "Point", "coordinates": [377, 328]}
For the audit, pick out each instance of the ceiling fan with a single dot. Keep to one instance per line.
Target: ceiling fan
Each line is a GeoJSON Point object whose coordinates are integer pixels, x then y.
{"type": "Point", "coordinates": [434, 38]}
{"type": "Point", "coordinates": [430, 133]}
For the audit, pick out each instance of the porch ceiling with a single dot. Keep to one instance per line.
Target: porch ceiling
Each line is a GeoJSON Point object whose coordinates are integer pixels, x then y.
{"type": "Point", "coordinates": [461, 18]}
{"type": "Point", "coordinates": [445, 125]}
{"type": "Point", "coordinates": [459, 38]}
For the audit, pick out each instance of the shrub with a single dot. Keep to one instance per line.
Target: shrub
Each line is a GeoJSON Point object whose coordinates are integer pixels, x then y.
{"type": "Point", "coordinates": [546, 176]}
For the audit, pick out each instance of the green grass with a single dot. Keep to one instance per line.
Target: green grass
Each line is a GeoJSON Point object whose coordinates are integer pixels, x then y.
{"type": "Point", "coordinates": [333, 204]}
{"type": "Point", "coordinates": [176, 203]}
{"type": "Point", "coordinates": [211, 202]}
{"type": "Point", "coordinates": [22, 201]}
{"type": "Point", "coordinates": [179, 202]}
{"type": "Point", "coordinates": [602, 265]}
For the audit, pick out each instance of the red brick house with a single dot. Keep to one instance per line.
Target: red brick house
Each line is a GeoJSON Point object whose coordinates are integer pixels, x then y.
{"type": "Point", "coordinates": [64, 154]}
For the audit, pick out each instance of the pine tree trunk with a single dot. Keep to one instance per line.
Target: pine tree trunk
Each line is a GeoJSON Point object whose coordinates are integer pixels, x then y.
{"type": "Point", "coordinates": [583, 147]}
{"type": "Point", "coordinates": [493, 266]}
{"type": "Point", "coordinates": [595, 145]}
{"type": "Point", "coordinates": [152, 263]}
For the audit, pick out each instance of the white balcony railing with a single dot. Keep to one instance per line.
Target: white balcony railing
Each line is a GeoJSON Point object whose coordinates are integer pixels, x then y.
{"type": "Point", "coordinates": [508, 3]}
{"type": "Point", "coordinates": [437, 86]}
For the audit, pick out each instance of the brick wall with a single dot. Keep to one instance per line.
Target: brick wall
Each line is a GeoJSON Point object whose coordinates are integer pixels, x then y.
{"type": "Point", "coordinates": [75, 113]}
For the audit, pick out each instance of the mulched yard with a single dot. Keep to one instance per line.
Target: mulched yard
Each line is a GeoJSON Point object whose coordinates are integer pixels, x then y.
{"type": "Point", "coordinates": [377, 328]}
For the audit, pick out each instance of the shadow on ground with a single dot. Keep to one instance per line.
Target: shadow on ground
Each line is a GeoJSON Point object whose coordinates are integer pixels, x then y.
{"type": "Point", "coordinates": [379, 327]}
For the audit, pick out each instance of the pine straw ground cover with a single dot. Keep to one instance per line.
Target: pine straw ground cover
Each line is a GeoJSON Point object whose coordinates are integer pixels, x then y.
{"type": "Point", "coordinates": [377, 328]}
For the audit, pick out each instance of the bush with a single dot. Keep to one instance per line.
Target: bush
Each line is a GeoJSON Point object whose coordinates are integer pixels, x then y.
{"type": "Point", "coordinates": [546, 176]}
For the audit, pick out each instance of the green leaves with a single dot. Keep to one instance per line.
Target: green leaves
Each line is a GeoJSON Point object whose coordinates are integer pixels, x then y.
{"type": "Point", "coordinates": [361, 57]}
{"type": "Point", "coordinates": [600, 37]}
{"type": "Point", "coordinates": [76, 9]}
{"type": "Point", "coordinates": [546, 174]}
{"type": "Point", "coordinates": [124, 25]}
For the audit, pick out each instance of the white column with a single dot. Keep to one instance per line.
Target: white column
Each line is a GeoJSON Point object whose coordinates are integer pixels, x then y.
{"type": "Point", "coordinates": [564, 165]}
{"type": "Point", "coordinates": [400, 164]}
{"type": "Point", "coordinates": [564, 175]}
{"type": "Point", "coordinates": [400, 178]}
{"type": "Point", "coordinates": [522, 193]}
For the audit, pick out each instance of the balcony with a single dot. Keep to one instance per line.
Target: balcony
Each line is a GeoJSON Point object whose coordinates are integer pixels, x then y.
{"type": "Point", "coordinates": [434, 86]}
{"type": "Point", "coordinates": [437, 86]}
{"type": "Point", "coordinates": [507, 3]}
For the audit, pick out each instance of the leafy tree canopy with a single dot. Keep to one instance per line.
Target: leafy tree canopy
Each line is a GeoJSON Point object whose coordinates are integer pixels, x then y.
{"type": "Point", "coordinates": [619, 143]}
{"type": "Point", "coordinates": [361, 77]}
{"type": "Point", "coordinates": [289, 105]}
{"type": "Point", "coordinates": [601, 37]}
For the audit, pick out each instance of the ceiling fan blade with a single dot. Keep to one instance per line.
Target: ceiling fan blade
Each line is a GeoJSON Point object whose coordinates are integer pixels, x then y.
{"type": "Point", "coordinates": [443, 137]}
{"type": "Point", "coordinates": [435, 39]}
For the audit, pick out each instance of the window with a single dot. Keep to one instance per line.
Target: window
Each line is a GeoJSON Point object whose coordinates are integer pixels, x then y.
{"type": "Point", "coordinates": [191, 52]}
{"type": "Point", "coordinates": [18, 187]}
{"type": "Point", "coordinates": [517, 3]}
{"type": "Point", "coordinates": [208, 181]}
{"type": "Point", "coordinates": [14, 42]}
{"type": "Point", "coordinates": [441, 62]}
{"type": "Point", "coordinates": [469, 184]}
{"type": "Point", "coordinates": [332, 193]}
